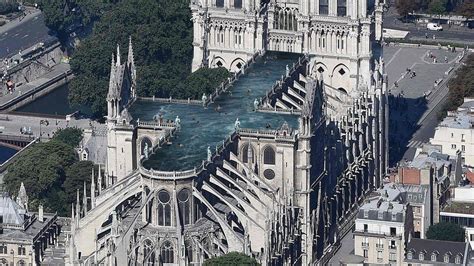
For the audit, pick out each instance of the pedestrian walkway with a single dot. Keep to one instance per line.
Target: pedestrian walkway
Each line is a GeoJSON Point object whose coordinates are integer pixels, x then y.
{"type": "Point", "coordinates": [415, 144]}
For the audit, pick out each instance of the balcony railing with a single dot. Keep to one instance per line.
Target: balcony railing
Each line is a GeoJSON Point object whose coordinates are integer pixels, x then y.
{"type": "Point", "coordinates": [379, 245]}
{"type": "Point", "coordinates": [365, 244]}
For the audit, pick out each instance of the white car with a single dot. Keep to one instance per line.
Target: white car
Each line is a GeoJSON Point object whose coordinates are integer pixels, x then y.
{"type": "Point", "coordinates": [434, 26]}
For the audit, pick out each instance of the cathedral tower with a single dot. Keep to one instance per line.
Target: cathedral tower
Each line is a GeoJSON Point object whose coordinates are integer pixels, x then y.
{"type": "Point", "coordinates": [120, 129]}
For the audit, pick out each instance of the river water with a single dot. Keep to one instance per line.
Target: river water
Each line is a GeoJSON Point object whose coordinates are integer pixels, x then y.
{"type": "Point", "coordinates": [53, 103]}
{"type": "Point", "coordinates": [6, 153]}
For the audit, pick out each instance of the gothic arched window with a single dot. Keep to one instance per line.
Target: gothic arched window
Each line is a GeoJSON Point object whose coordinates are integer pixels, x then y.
{"type": "Point", "coordinates": [164, 208]}
{"type": "Point", "coordinates": [148, 253]}
{"type": "Point", "coordinates": [219, 3]}
{"type": "Point", "coordinates": [184, 199]}
{"type": "Point", "coordinates": [237, 3]}
{"type": "Point", "coordinates": [3, 262]}
{"type": "Point", "coordinates": [247, 153]}
{"type": "Point", "coordinates": [167, 252]}
{"type": "Point", "coordinates": [323, 7]}
{"type": "Point", "coordinates": [341, 8]}
{"type": "Point", "coordinates": [269, 155]}
{"type": "Point", "coordinates": [21, 263]}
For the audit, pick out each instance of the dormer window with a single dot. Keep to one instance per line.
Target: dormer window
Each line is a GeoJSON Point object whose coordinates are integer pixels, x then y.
{"type": "Point", "coordinates": [446, 258]}
{"type": "Point", "coordinates": [366, 213]}
{"type": "Point", "coordinates": [421, 256]}
{"type": "Point", "coordinates": [458, 259]}
{"type": "Point", "coordinates": [380, 215]}
{"type": "Point", "coordinates": [433, 257]}
{"type": "Point", "coordinates": [410, 255]}
{"type": "Point", "coordinates": [394, 216]}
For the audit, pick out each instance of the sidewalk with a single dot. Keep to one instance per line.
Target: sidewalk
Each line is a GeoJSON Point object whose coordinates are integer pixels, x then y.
{"type": "Point", "coordinates": [16, 22]}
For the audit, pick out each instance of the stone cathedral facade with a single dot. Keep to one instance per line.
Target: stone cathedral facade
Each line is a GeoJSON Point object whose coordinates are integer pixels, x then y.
{"type": "Point", "coordinates": [281, 195]}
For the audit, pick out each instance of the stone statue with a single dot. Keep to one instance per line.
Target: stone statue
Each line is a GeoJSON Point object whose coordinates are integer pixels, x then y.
{"type": "Point", "coordinates": [209, 153]}
{"type": "Point", "coordinates": [237, 124]}
{"type": "Point", "coordinates": [145, 150]}
{"type": "Point", "coordinates": [204, 99]}
{"type": "Point", "coordinates": [287, 70]}
{"type": "Point", "coordinates": [256, 103]}
{"type": "Point", "coordinates": [177, 121]}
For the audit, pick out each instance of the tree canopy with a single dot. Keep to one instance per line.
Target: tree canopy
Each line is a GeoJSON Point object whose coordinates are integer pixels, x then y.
{"type": "Point", "coordinates": [404, 7]}
{"type": "Point", "coordinates": [51, 172]}
{"type": "Point", "coordinates": [462, 85]}
{"type": "Point", "coordinates": [162, 35]}
{"type": "Point", "coordinates": [446, 231]}
{"type": "Point", "coordinates": [64, 16]}
{"type": "Point", "coordinates": [438, 7]}
{"type": "Point", "coordinates": [231, 259]}
{"type": "Point", "coordinates": [7, 8]}
{"type": "Point", "coordinates": [466, 9]}
{"type": "Point", "coordinates": [71, 136]}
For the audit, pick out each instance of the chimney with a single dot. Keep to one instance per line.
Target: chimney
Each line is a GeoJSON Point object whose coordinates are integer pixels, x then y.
{"type": "Point", "coordinates": [40, 213]}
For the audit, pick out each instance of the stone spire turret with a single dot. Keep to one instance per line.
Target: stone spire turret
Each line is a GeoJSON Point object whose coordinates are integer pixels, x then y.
{"type": "Point", "coordinates": [132, 68]}
{"type": "Point", "coordinates": [118, 63]}
{"type": "Point", "coordinates": [22, 198]}
{"type": "Point", "coordinates": [78, 206]}
{"type": "Point", "coordinates": [92, 189]}
{"type": "Point", "coordinates": [99, 180]}
{"type": "Point", "coordinates": [84, 200]}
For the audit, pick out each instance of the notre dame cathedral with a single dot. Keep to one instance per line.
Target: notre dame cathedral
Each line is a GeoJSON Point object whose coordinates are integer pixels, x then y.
{"type": "Point", "coordinates": [286, 183]}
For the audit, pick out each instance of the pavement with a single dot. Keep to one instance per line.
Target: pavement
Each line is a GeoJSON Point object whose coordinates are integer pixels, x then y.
{"type": "Point", "coordinates": [346, 248]}
{"type": "Point", "coordinates": [13, 124]}
{"type": "Point", "coordinates": [20, 34]}
{"type": "Point", "coordinates": [418, 32]}
{"type": "Point", "coordinates": [23, 89]}
{"type": "Point", "coordinates": [413, 116]}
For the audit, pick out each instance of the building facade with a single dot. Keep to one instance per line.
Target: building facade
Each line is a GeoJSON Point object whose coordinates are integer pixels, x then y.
{"type": "Point", "coordinates": [25, 236]}
{"type": "Point", "coordinates": [456, 133]}
{"type": "Point", "coordinates": [282, 195]}
{"type": "Point", "coordinates": [382, 228]}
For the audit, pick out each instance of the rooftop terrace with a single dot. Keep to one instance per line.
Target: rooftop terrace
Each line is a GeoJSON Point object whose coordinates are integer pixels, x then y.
{"type": "Point", "coordinates": [202, 127]}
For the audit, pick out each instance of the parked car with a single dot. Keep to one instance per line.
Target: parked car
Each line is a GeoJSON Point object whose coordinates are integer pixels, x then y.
{"type": "Point", "coordinates": [434, 26]}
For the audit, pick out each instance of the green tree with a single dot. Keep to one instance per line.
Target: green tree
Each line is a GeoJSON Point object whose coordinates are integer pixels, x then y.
{"type": "Point", "coordinates": [71, 136]}
{"type": "Point", "coordinates": [405, 7]}
{"type": "Point", "coordinates": [467, 9]}
{"type": "Point", "coordinates": [42, 168]}
{"type": "Point", "coordinates": [7, 8]}
{"type": "Point", "coordinates": [437, 7]}
{"type": "Point", "coordinates": [446, 231]}
{"type": "Point", "coordinates": [51, 172]}
{"type": "Point", "coordinates": [76, 174]}
{"type": "Point", "coordinates": [162, 40]}
{"type": "Point", "coordinates": [231, 259]}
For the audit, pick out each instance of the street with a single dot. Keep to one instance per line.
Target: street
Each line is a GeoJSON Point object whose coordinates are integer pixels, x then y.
{"type": "Point", "coordinates": [18, 35]}
{"type": "Point", "coordinates": [418, 32]}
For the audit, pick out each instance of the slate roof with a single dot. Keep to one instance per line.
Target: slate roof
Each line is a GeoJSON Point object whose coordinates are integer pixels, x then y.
{"type": "Point", "coordinates": [439, 247]}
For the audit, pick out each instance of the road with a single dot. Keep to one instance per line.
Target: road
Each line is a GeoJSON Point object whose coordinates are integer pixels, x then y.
{"type": "Point", "coordinates": [18, 35]}
{"type": "Point", "coordinates": [13, 124]}
{"type": "Point", "coordinates": [410, 126]}
{"type": "Point", "coordinates": [417, 32]}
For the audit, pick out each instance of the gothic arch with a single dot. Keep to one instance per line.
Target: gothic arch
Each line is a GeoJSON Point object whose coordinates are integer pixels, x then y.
{"type": "Point", "coordinates": [341, 78]}
{"type": "Point", "coordinates": [237, 64]}
{"type": "Point", "coordinates": [145, 140]}
{"type": "Point", "coordinates": [320, 69]}
{"type": "Point", "coordinates": [218, 62]}
{"type": "Point", "coordinates": [148, 252]}
{"type": "Point", "coordinates": [248, 153]}
{"type": "Point", "coordinates": [167, 252]}
{"type": "Point", "coordinates": [164, 208]}
{"type": "Point", "coordinates": [269, 155]}
{"type": "Point", "coordinates": [184, 204]}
